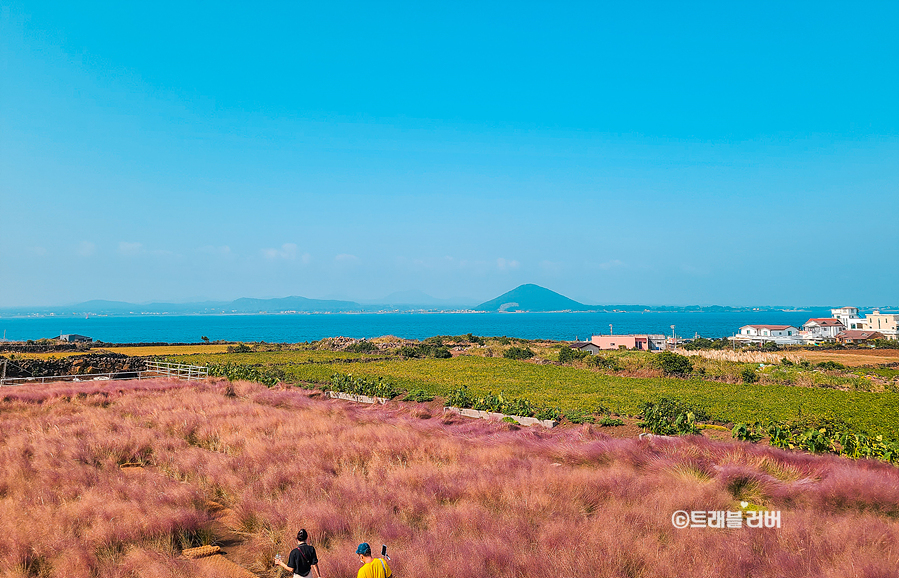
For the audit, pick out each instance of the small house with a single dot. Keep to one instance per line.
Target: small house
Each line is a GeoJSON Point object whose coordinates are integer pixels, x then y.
{"type": "Point", "coordinates": [857, 336]}
{"type": "Point", "coordinates": [74, 338]}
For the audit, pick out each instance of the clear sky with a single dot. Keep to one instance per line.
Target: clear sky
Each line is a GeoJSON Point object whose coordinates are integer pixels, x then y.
{"type": "Point", "coordinates": [662, 153]}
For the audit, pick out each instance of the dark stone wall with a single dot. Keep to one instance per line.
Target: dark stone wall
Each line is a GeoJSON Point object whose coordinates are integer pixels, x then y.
{"type": "Point", "coordinates": [90, 364]}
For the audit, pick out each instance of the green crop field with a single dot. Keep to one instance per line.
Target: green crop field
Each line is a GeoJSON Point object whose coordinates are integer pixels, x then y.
{"type": "Point", "coordinates": [571, 388]}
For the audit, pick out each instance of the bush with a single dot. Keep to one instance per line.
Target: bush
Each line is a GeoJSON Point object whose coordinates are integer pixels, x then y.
{"type": "Point", "coordinates": [608, 421]}
{"type": "Point", "coordinates": [604, 362]}
{"type": "Point", "coordinates": [518, 353]}
{"type": "Point", "coordinates": [705, 343]}
{"type": "Point", "coordinates": [241, 372]}
{"type": "Point", "coordinates": [492, 402]}
{"type": "Point", "coordinates": [747, 433]}
{"type": "Point", "coordinates": [474, 339]}
{"type": "Point", "coordinates": [425, 350]}
{"type": "Point", "coordinates": [575, 416]}
{"type": "Point", "coordinates": [749, 375]}
{"type": "Point", "coordinates": [363, 347]}
{"type": "Point", "coordinates": [567, 354]}
{"type": "Point", "coordinates": [674, 364]}
{"type": "Point", "coordinates": [418, 395]}
{"type": "Point", "coordinates": [380, 387]}
{"type": "Point", "coordinates": [830, 365]}
{"type": "Point", "coordinates": [671, 417]}
{"type": "Point", "coordinates": [240, 348]}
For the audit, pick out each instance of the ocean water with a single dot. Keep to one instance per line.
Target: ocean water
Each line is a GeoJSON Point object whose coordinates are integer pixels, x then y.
{"type": "Point", "coordinates": [292, 328]}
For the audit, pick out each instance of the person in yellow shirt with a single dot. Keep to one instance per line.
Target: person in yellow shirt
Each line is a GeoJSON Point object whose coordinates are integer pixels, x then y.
{"type": "Point", "coordinates": [371, 567]}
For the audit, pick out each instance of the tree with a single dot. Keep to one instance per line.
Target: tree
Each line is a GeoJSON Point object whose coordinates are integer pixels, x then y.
{"type": "Point", "coordinates": [749, 375]}
{"type": "Point", "coordinates": [518, 353]}
{"type": "Point", "coordinates": [674, 364]}
{"type": "Point", "coordinates": [567, 354]}
{"type": "Point", "coordinates": [205, 339]}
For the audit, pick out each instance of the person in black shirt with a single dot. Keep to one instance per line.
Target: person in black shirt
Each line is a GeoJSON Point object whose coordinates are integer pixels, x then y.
{"type": "Point", "coordinates": [302, 559]}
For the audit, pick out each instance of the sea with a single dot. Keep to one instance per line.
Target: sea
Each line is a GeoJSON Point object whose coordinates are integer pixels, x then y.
{"type": "Point", "coordinates": [294, 328]}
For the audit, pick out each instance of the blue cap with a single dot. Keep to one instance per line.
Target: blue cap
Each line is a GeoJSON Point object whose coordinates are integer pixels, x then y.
{"type": "Point", "coordinates": [364, 549]}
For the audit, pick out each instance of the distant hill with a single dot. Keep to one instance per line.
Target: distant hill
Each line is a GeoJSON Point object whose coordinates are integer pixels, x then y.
{"type": "Point", "coordinates": [243, 305]}
{"type": "Point", "coordinates": [282, 304]}
{"type": "Point", "coordinates": [530, 297]}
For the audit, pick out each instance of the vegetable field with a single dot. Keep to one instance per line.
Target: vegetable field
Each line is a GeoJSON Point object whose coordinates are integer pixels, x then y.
{"type": "Point", "coordinates": [583, 390]}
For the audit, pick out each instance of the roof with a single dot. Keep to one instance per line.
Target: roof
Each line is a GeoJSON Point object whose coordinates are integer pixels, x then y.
{"type": "Point", "coordinates": [859, 334]}
{"type": "Point", "coordinates": [775, 327]}
{"type": "Point", "coordinates": [825, 322]}
{"type": "Point", "coordinates": [581, 344]}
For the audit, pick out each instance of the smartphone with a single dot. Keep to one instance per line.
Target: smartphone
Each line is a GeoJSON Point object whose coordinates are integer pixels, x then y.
{"type": "Point", "coordinates": [384, 551]}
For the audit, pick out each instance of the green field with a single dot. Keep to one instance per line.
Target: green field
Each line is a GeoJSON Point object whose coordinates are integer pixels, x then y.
{"type": "Point", "coordinates": [571, 388]}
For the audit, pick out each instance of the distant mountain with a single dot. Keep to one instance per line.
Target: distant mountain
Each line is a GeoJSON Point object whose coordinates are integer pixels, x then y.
{"type": "Point", "coordinates": [530, 297]}
{"type": "Point", "coordinates": [412, 300]}
{"type": "Point", "coordinates": [285, 304]}
{"type": "Point", "coordinates": [243, 305]}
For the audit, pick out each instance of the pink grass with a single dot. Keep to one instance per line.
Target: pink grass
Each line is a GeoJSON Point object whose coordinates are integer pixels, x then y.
{"type": "Point", "coordinates": [451, 496]}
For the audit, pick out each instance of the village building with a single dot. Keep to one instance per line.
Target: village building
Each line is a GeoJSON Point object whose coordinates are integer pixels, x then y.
{"type": "Point", "coordinates": [848, 316]}
{"type": "Point", "coordinates": [587, 346]}
{"type": "Point", "coordinates": [857, 336]}
{"type": "Point", "coordinates": [821, 329]}
{"type": "Point", "coordinates": [640, 342]}
{"type": "Point", "coordinates": [74, 338]}
{"type": "Point", "coordinates": [779, 334]}
{"type": "Point", "coordinates": [885, 323]}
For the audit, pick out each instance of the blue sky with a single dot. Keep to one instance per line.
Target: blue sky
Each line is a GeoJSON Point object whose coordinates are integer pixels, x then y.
{"type": "Point", "coordinates": [700, 153]}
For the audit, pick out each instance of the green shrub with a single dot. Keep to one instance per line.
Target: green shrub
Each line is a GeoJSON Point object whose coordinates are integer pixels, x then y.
{"type": "Point", "coordinates": [372, 387]}
{"type": "Point", "coordinates": [747, 433]}
{"type": "Point", "coordinates": [425, 350]}
{"type": "Point", "coordinates": [577, 416]}
{"type": "Point", "coordinates": [828, 435]}
{"type": "Point", "coordinates": [499, 403]}
{"type": "Point", "coordinates": [609, 421]}
{"type": "Point", "coordinates": [240, 348]}
{"type": "Point", "coordinates": [605, 362]}
{"type": "Point", "coordinates": [518, 353]}
{"type": "Point", "coordinates": [567, 354]}
{"type": "Point", "coordinates": [671, 417]}
{"type": "Point", "coordinates": [419, 396]}
{"type": "Point", "coordinates": [363, 347]}
{"type": "Point", "coordinates": [243, 372]}
{"type": "Point", "coordinates": [749, 375]}
{"type": "Point", "coordinates": [830, 365]}
{"type": "Point", "coordinates": [674, 364]}
{"type": "Point", "coordinates": [473, 339]}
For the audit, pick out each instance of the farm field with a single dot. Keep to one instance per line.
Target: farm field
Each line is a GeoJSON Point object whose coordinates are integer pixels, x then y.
{"type": "Point", "coordinates": [572, 388]}
{"type": "Point", "coordinates": [853, 357]}
{"type": "Point", "coordinates": [116, 479]}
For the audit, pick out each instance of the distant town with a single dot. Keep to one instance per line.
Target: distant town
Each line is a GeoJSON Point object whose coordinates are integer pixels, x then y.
{"type": "Point", "coordinates": [845, 326]}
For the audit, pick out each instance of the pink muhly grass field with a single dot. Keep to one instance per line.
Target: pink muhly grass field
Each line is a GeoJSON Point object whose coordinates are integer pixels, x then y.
{"type": "Point", "coordinates": [450, 496]}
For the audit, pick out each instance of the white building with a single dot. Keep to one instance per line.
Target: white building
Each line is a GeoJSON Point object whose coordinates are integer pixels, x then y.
{"type": "Point", "coordinates": [848, 316]}
{"type": "Point", "coordinates": [779, 334]}
{"type": "Point", "coordinates": [821, 329]}
{"type": "Point", "coordinates": [886, 323]}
